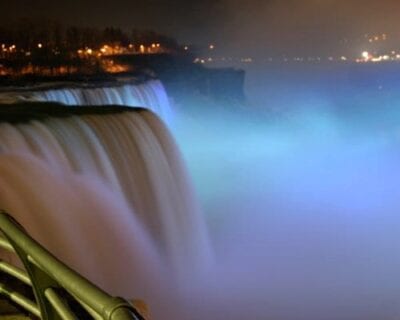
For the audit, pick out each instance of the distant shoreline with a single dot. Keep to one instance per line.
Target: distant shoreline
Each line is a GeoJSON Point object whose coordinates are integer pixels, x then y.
{"type": "Point", "coordinates": [177, 73]}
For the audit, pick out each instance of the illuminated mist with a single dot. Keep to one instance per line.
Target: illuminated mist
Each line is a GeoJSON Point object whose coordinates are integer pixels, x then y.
{"type": "Point", "coordinates": [301, 197]}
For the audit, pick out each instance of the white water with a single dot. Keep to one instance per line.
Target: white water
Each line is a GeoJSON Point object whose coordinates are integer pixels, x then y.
{"type": "Point", "coordinates": [150, 94]}
{"type": "Point", "coordinates": [108, 195]}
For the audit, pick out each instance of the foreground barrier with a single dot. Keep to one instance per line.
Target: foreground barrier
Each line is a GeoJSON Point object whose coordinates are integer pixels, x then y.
{"type": "Point", "coordinates": [59, 293]}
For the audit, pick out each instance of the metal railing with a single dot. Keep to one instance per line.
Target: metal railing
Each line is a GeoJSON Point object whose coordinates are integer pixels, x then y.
{"type": "Point", "coordinates": [59, 293]}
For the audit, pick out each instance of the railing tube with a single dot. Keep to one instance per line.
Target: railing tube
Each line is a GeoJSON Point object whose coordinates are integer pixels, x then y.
{"type": "Point", "coordinates": [19, 299]}
{"type": "Point", "coordinates": [59, 306]}
{"type": "Point", "coordinates": [15, 272]}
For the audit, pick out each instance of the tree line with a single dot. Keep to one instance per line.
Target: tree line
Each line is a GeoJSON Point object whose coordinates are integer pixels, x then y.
{"type": "Point", "coordinates": [46, 46]}
{"type": "Point", "coordinates": [27, 34]}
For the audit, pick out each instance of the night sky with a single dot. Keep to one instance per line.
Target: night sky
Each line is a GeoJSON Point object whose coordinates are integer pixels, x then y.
{"type": "Point", "coordinates": [245, 26]}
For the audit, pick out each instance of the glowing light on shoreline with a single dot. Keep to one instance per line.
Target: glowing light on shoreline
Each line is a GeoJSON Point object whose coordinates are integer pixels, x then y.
{"type": "Point", "coordinates": [365, 55]}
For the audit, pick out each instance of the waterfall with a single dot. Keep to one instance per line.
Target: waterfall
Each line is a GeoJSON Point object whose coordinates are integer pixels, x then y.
{"type": "Point", "coordinates": [106, 193]}
{"type": "Point", "coordinates": [150, 94]}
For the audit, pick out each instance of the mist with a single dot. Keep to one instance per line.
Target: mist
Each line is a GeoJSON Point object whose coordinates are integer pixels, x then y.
{"type": "Point", "coordinates": [301, 199]}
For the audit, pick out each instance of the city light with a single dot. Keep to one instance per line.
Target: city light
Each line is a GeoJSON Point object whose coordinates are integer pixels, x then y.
{"type": "Point", "coordinates": [365, 55]}
{"type": "Point", "coordinates": [17, 53]}
{"type": "Point", "coordinates": [375, 50]}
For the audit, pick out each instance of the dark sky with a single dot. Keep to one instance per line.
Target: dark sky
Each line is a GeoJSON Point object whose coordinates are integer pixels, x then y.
{"type": "Point", "coordinates": [275, 26]}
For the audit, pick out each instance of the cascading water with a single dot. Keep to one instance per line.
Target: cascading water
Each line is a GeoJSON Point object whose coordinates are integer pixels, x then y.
{"type": "Point", "coordinates": [108, 194]}
{"type": "Point", "coordinates": [150, 94]}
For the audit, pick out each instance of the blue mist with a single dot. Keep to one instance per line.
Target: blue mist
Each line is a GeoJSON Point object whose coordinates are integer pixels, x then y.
{"type": "Point", "coordinates": [300, 190]}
